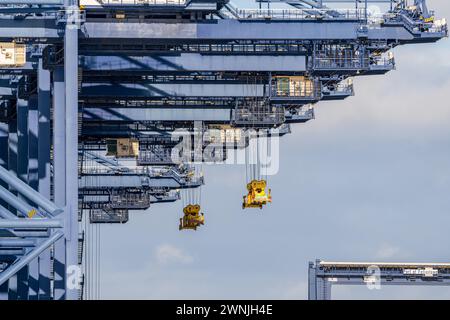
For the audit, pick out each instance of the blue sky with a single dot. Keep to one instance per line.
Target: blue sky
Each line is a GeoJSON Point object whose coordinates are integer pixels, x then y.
{"type": "Point", "coordinates": [368, 179]}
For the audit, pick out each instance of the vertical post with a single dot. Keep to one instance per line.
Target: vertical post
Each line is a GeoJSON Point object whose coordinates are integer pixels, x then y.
{"type": "Point", "coordinates": [33, 181]}
{"type": "Point", "coordinates": [4, 137]}
{"type": "Point", "coordinates": [4, 291]}
{"type": "Point", "coordinates": [12, 166]}
{"type": "Point", "coordinates": [312, 283]}
{"type": "Point", "coordinates": [17, 282]}
{"type": "Point", "coordinates": [71, 91]}
{"type": "Point", "coordinates": [44, 169]}
{"type": "Point", "coordinates": [33, 124]}
{"type": "Point", "coordinates": [22, 139]}
{"type": "Point", "coordinates": [365, 11]}
{"type": "Point", "coordinates": [59, 178]}
{"type": "Point", "coordinates": [12, 144]}
{"type": "Point", "coordinates": [323, 289]}
{"type": "Point", "coordinates": [319, 288]}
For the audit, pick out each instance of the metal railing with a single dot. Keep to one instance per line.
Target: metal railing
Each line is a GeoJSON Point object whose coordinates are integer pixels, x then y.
{"type": "Point", "coordinates": [382, 63]}
{"type": "Point", "coordinates": [260, 116]}
{"type": "Point", "coordinates": [184, 177]}
{"type": "Point", "coordinates": [152, 157]}
{"type": "Point", "coordinates": [341, 88]}
{"type": "Point", "coordinates": [309, 89]}
{"type": "Point", "coordinates": [127, 200]}
{"type": "Point", "coordinates": [111, 216]}
{"type": "Point", "coordinates": [143, 2]}
{"type": "Point", "coordinates": [337, 60]}
{"type": "Point", "coordinates": [302, 14]}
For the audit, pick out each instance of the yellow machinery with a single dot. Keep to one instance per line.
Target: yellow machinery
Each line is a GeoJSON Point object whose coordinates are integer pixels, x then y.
{"type": "Point", "coordinates": [427, 20]}
{"type": "Point", "coordinates": [257, 196]}
{"type": "Point", "coordinates": [122, 148]}
{"type": "Point", "coordinates": [192, 217]}
{"type": "Point", "coordinates": [294, 86]}
{"type": "Point", "coordinates": [12, 54]}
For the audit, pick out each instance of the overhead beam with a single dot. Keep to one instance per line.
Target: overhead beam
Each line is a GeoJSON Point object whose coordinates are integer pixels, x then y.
{"type": "Point", "coordinates": [157, 114]}
{"type": "Point", "coordinates": [35, 2]}
{"type": "Point", "coordinates": [30, 223]}
{"type": "Point", "coordinates": [195, 62]}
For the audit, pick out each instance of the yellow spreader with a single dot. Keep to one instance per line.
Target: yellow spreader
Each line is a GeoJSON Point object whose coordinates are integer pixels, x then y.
{"type": "Point", "coordinates": [257, 196]}
{"type": "Point", "coordinates": [192, 217]}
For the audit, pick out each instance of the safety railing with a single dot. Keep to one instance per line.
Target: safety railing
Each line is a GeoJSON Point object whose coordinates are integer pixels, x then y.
{"type": "Point", "coordinates": [128, 200]}
{"type": "Point", "coordinates": [184, 177]}
{"type": "Point", "coordinates": [262, 116]}
{"type": "Point", "coordinates": [382, 63]}
{"type": "Point", "coordinates": [290, 87]}
{"type": "Point", "coordinates": [416, 24]}
{"type": "Point", "coordinates": [301, 114]}
{"type": "Point", "coordinates": [159, 156]}
{"type": "Point", "coordinates": [301, 14]}
{"type": "Point", "coordinates": [339, 60]}
{"type": "Point", "coordinates": [344, 88]}
{"type": "Point", "coordinates": [112, 216]}
{"type": "Point", "coordinates": [143, 2]}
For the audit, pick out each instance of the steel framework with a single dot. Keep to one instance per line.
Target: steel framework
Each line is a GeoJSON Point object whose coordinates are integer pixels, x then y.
{"type": "Point", "coordinates": [91, 94]}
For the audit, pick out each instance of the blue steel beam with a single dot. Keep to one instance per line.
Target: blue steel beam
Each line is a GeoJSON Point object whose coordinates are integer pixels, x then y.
{"type": "Point", "coordinates": [194, 62]}
{"type": "Point", "coordinates": [30, 223]}
{"type": "Point", "coordinates": [323, 275]}
{"type": "Point", "coordinates": [10, 243]}
{"type": "Point", "coordinates": [250, 30]}
{"type": "Point", "coordinates": [26, 259]}
{"type": "Point", "coordinates": [59, 175]}
{"type": "Point", "coordinates": [220, 30]}
{"type": "Point", "coordinates": [44, 147]}
{"type": "Point", "coordinates": [172, 90]}
{"type": "Point", "coordinates": [32, 28]}
{"type": "Point", "coordinates": [33, 2]}
{"type": "Point", "coordinates": [15, 202]}
{"type": "Point", "coordinates": [71, 156]}
{"type": "Point", "coordinates": [157, 114]}
{"type": "Point", "coordinates": [105, 181]}
{"type": "Point", "coordinates": [4, 151]}
{"type": "Point", "coordinates": [6, 214]}
{"type": "Point", "coordinates": [28, 192]}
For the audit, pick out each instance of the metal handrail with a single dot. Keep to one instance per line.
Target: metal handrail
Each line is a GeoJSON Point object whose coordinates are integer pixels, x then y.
{"type": "Point", "coordinates": [143, 2]}
{"type": "Point", "coordinates": [302, 14]}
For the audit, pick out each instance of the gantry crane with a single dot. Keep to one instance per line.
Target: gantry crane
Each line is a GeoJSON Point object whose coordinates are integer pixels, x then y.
{"type": "Point", "coordinates": [91, 93]}
{"type": "Point", "coordinates": [325, 274]}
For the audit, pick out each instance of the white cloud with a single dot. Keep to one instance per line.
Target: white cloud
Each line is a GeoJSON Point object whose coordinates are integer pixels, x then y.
{"type": "Point", "coordinates": [388, 251]}
{"type": "Point", "coordinates": [169, 254]}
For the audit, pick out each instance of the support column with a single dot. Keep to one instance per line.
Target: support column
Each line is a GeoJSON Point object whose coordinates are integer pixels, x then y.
{"type": "Point", "coordinates": [12, 144]}
{"type": "Point", "coordinates": [18, 288]}
{"type": "Point", "coordinates": [59, 175]}
{"type": "Point", "coordinates": [33, 181]}
{"type": "Point", "coordinates": [22, 139]}
{"type": "Point", "coordinates": [312, 288]}
{"type": "Point", "coordinates": [44, 145]}
{"type": "Point", "coordinates": [319, 288]}
{"type": "Point", "coordinates": [4, 137]}
{"type": "Point", "coordinates": [33, 125]}
{"type": "Point", "coordinates": [4, 291]}
{"type": "Point", "coordinates": [323, 289]}
{"type": "Point", "coordinates": [12, 166]}
{"type": "Point", "coordinates": [71, 86]}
